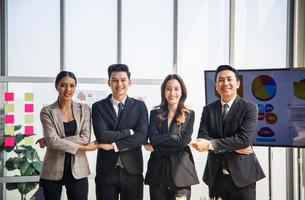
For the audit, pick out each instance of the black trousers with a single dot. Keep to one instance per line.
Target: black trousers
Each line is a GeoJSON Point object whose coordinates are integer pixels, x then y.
{"type": "Point", "coordinates": [119, 183]}
{"type": "Point", "coordinates": [77, 189]}
{"type": "Point", "coordinates": [225, 188]}
{"type": "Point", "coordinates": [170, 193]}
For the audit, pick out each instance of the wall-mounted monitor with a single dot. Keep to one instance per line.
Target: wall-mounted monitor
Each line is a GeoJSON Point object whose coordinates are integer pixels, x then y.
{"type": "Point", "coordinates": [280, 97]}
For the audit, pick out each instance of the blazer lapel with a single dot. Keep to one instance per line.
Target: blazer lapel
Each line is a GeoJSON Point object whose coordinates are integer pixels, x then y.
{"type": "Point", "coordinates": [76, 109]}
{"type": "Point", "coordinates": [164, 126]}
{"type": "Point", "coordinates": [173, 128]}
{"type": "Point", "coordinates": [219, 118]}
{"type": "Point", "coordinates": [57, 118]}
{"type": "Point", "coordinates": [110, 109]}
{"type": "Point", "coordinates": [234, 109]}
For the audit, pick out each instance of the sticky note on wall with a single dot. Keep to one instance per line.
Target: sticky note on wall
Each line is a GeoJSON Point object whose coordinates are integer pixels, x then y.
{"type": "Point", "coordinates": [9, 129]}
{"type": "Point", "coordinates": [28, 107]}
{"type": "Point", "coordinates": [9, 119]}
{"type": "Point", "coordinates": [9, 141]}
{"type": "Point", "coordinates": [28, 96]}
{"type": "Point", "coordinates": [8, 96]}
{"type": "Point", "coordinates": [28, 119]}
{"type": "Point", "coordinates": [29, 141]}
{"type": "Point", "coordinates": [9, 108]}
{"type": "Point", "coordinates": [28, 130]}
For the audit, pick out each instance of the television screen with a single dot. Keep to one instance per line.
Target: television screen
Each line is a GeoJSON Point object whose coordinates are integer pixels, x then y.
{"type": "Point", "coordinates": [280, 98]}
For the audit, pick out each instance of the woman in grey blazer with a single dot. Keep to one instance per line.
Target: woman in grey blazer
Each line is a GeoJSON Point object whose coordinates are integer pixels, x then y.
{"type": "Point", "coordinates": [171, 170]}
{"type": "Point", "coordinates": [66, 128]}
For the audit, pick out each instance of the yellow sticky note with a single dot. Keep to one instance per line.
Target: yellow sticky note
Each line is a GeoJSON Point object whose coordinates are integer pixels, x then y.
{"type": "Point", "coordinates": [9, 108]}
{"type": "Point", "coordinates": [28, 119]}
{"type": "Point", "coordinates": [28, 96]}
{"type": "Point", "coordinates": [9, 129]}
{"type": "Point", "coordinates": [28, 141]}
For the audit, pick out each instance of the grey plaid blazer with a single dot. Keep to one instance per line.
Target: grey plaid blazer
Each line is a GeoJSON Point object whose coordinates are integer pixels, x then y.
{"type": "Point", "coordinates": [58, 143]}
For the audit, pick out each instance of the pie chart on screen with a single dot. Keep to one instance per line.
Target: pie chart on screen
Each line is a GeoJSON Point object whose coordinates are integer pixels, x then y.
{"type": "Point", "coordinates": [263, 87]}
{"type": "Point", "coordinates": [299, 89]}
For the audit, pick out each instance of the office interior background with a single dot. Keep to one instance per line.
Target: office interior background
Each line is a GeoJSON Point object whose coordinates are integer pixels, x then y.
{"type": "Point", "coordinates": [39, 38]}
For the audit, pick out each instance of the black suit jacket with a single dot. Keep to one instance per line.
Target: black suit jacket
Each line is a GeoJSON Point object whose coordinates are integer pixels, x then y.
{"type": "Point", "coordinates": [172, 158]}
{"type": "Point", "coordinates": [107, 129]}
{"type": "Point", "coordinates": [237, 133]}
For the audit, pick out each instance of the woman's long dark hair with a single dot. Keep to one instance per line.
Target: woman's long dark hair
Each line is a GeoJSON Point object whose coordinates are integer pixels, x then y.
{"type": "Point", "coordinates": [163, 108]}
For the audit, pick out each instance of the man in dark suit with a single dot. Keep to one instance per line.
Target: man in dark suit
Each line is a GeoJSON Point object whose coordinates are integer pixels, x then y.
{"type": "Point", "coordinates": [120, 126]}
{"type": "Point", "coordinates": [226, 130]}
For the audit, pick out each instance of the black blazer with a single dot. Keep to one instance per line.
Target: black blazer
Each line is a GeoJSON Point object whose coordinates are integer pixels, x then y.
{"type": "Point", "coordinates": [238, 132]}
{"type": "Point", "coordinates": [107, 129]}
{"type": "Point", "coordinates": [171, 152]}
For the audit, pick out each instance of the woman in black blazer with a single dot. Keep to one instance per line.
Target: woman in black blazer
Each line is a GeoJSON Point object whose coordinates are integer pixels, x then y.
{"type": "Point", "coordinates": [171, 170]}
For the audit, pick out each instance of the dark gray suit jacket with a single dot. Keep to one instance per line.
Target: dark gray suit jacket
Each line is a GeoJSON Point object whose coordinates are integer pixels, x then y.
{"type": "Point", "coordinates": [171, 151]}
{"type": "Point", "coordinates": [238, 132]}
{"type": "Point", "coordinates": [107, 129]}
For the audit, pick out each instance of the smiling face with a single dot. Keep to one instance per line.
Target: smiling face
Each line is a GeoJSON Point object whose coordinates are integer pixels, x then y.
{"type": "Point", "coordinates": [173, 92]}
{"type": "Point", "coordinates": [119, 84]}
{"type": "Point", "coordinates": [66, 88]}
{"type": "Point", "coordinates": [227, 85]}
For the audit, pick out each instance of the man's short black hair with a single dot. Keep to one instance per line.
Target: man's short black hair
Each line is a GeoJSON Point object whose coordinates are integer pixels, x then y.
{"type": "Point", "coordinates": [118, 68]}
{"type": "Point", "coordinates": [226, 67]}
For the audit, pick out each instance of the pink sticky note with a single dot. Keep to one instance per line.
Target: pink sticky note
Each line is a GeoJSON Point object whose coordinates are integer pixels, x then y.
{"type": "Point", "coordinates": [28, 107]}
{"type": "Point", "coordinates": [9, 119]}
{"type": "Point", "coordinates": [9, 96]}
{"type": "Point", "coordinates": [28, 130]}
{"type": "Point", "coordinates": [9, 141]}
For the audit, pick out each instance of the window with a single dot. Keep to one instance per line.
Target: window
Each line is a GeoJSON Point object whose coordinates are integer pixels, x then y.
{"type": "Point", "coordinates": [33, 38]}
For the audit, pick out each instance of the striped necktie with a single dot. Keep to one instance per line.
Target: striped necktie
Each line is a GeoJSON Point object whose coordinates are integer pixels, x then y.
{"type": "Point", "coordinates": [225, 112]}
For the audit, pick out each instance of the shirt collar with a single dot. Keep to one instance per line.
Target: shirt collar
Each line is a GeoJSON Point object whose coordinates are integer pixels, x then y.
{"type": "Point", "coordinates": [229, 102]}
{"type": "Point", "coordinates": [116, 102]}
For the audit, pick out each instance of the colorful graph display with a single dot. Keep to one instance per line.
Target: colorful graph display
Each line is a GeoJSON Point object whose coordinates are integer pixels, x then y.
{"type": "Point", "coordinates": [299, 89]}
{"type": "Point", "coordinates": [280, 98]}
{"type": "Point", "coordinates": [264, 87]}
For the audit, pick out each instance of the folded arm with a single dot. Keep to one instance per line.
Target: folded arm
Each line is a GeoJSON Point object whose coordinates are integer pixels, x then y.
{"type": "Point", "coordinates": [139, 137]}
{"type": "Point", "coordinates": [53, 140]}
{"type": "Point", "coordinates": [244, 134]}
{"type": "Point", "coordinates": [71, 144]}
{"type": "Point", "coordinates": [102, 134]}
{"type": "Point", "coordinates": [239, 142]}
{"type": "Point", "coordinates": [168, 143]}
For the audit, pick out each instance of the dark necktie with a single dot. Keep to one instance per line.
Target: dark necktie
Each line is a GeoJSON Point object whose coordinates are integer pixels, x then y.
{"type": "Point", "coordinates": [225, 112]}
{"type": "Point", "coordinates": [223, 161]}
{"type": "Point", "coordinates": [120, 110]}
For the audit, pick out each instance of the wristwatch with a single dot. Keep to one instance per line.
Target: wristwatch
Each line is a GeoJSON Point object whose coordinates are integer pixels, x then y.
{"type": "Point", "coordinates": [211, 146]}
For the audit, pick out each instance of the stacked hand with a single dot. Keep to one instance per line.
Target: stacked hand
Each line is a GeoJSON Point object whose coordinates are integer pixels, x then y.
{"type": "Point", "coordinates": [105, 146]}
{"type": "Point", "coordinates": [42, 143]}
{"type": "Point", "coordinates": [149, 147]}
{"type": "Point", "coordinates": [200, 144]}
{"type": "Point", "coordinates": [92, 146]}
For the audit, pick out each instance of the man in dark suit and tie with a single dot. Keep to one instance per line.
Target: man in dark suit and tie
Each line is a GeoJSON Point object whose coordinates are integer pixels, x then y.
{"type": "Point", "coordinates": [226, 130]}
{"type": "Point", "coordinates": [120, 126]}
